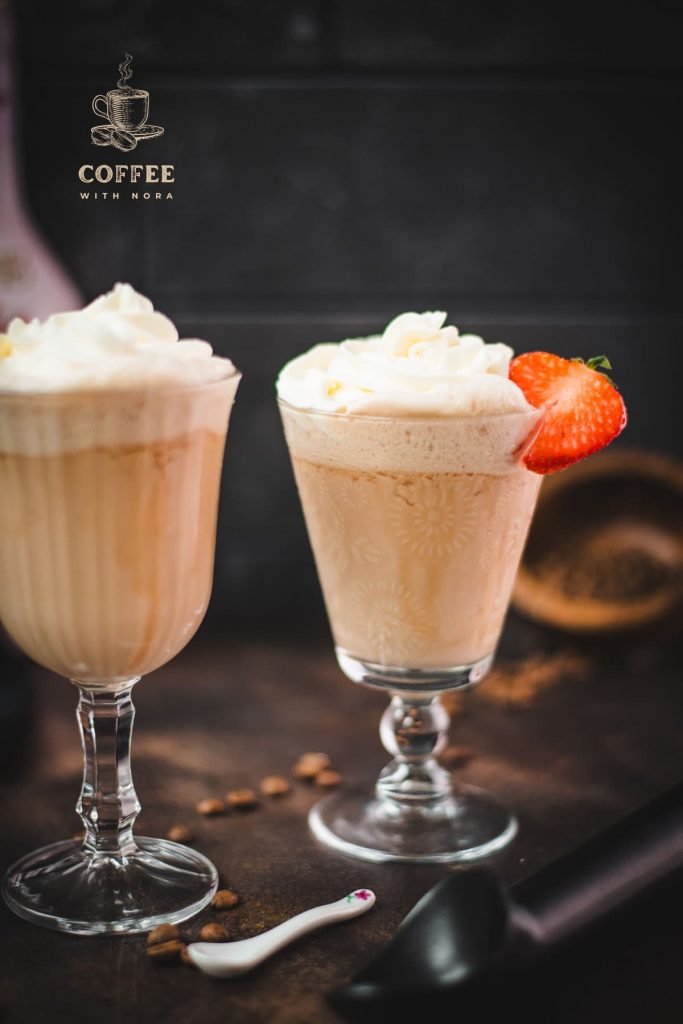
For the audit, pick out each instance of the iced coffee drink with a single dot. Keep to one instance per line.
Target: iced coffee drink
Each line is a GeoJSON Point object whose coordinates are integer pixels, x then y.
{"type": "Point", "coordinates": [112, 432]}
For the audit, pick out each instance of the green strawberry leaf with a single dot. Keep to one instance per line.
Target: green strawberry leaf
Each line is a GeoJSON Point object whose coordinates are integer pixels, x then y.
{"type": "Point", "coordinates": [597, 363]}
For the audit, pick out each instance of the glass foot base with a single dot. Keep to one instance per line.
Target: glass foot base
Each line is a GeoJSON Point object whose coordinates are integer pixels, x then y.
{"type": "Point", "coordinates": [65, 887]}
{"type": "Point", "coordinates": [467, 826]}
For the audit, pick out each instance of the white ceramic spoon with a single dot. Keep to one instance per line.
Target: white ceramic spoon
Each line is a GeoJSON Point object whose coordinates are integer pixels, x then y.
{"type": "Point", "coordinates": [227, 959]}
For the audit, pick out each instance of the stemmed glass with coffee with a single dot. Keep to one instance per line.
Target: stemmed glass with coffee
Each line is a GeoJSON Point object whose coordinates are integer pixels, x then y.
{"type": "Point", "coordinates": [111, 443]}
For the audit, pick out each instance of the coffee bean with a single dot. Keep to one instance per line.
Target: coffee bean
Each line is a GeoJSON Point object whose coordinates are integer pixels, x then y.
{"type": "Point", "coordinates": [328, 778]}
{"type": "Point", "coordinates": [210, 807]}
{"type": "Point", "coordinates": [123, 140]}
{"type": "Point", "coordinates": [274, 785]}
{"type": "Point", "coordinates": [100, 135]}
{"type": "Point", "coordinates": [180, 834]}
{"type": "Point", "coordinates": [225, 899]}
{"type": "Point", "coordinates": [214, 932]}
{"type": "Point", "coordinates": [162, 933]}
{"type": "Point", "coordinates": [309, 765]}
{"type": "Point", "coordinates": [165, 951]}
{"type": "Point", "coordinates": [317, 758]}
{"type": "Point", "coordinates": [241, 799]}
{"type": "Point", "coordinates": [185, 957]}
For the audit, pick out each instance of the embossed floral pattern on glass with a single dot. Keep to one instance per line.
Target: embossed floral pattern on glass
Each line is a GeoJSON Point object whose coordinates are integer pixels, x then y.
{"type": "Point", "coordinates": [415, 566]}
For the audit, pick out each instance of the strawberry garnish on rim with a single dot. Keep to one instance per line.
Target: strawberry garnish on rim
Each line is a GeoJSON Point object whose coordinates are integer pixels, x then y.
{"type": "Point", "coordinates": [583, 409]}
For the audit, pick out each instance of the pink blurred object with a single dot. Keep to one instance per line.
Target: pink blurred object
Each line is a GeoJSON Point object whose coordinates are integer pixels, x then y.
{"type": "Point", "coordinates": [32, 282]}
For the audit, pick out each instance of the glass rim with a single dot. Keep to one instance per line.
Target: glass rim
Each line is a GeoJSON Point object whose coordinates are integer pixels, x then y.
{"type": "Point", "coordinates": [531, 413]}
{"type": "Point", "coordinates": [122, 392]}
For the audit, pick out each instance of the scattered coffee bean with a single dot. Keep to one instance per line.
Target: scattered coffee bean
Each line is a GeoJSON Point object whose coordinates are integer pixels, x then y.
{"type": "Point", "coordinates": [456, 756]}
{"type": "Point", "coordinates": [162, 933]}
{"type": "Point", "coordinates": [316, 758]}
{"type": "Point", "coordinates": [309, 765]}
{"type": "Point", "coordinates": [328, 778]}
{"type": "Point", "coordinates": [214, 932]}
{"type": "Point", "coordinates": [211, 807]}
{"type": "Point", "coordinates": [241, 799]}
{"type": "Point", "coordinates": [185, 957]}
{"type": "Point", "coordinates": [225, 899]}
{"type": "Point", "coordinates": [180, 834]}
{"type": "Point", "coordinates": [164, 951]}
{"type": "Point", "coordinates": [274, 785]}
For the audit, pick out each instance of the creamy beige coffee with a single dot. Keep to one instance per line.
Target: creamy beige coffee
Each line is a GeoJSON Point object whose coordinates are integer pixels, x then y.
{"type": "Point", "coordinates": [106, 552]}
{"type": "Point", "coordinates": [109, 476]}
{"type": "Point", "coordinates": [416, 499]}
{"type": "Point", "coordinates": [416, 568]}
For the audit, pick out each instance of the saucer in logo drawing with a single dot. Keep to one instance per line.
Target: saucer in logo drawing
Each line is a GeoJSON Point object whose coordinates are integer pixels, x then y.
{"type": "Point", "coordinates": [147, 131]}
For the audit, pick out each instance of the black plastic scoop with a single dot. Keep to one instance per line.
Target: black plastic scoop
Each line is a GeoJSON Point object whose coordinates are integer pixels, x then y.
{"type": "Point", "coordinates": [467, 934]}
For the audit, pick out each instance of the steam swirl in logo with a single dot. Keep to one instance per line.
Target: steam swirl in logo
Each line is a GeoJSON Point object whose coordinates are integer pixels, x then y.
{"type": "Point", "coordinates": [125, 72]}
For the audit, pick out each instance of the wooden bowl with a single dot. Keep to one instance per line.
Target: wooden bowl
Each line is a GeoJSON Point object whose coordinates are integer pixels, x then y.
{"type": "Point", "coordinates": [605, 549]}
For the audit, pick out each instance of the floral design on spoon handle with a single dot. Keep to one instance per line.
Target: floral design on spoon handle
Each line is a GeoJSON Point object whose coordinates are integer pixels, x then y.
{"type": "Point", "coordinates": [359, 894]}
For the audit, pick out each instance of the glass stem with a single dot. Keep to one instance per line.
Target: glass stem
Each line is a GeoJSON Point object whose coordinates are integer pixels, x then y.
{"type": "Point", "coordinates": [414, 730]}
{"type": "Point", "coordinates": [108, 804]}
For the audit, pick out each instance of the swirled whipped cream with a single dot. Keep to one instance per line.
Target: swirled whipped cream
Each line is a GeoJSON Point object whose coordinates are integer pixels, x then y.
{"type": "Point", "coordinates": [418, 366]}
{"type": "Point", "coordinates": [118, 341]}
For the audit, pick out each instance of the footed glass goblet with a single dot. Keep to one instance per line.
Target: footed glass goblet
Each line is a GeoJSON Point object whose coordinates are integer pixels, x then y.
{"type": "Point", "coordinates": [107, 536]}
{"type": "Point", "coordinates": [417, 526]}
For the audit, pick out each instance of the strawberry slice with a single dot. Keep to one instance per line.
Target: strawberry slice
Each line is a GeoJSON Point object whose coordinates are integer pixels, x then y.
{"type": "Point", "coordinates": [583, 409]}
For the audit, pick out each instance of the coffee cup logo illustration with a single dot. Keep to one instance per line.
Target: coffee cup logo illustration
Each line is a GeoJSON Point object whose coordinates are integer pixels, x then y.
{"type": "Point", "coordinates": [126, 111]}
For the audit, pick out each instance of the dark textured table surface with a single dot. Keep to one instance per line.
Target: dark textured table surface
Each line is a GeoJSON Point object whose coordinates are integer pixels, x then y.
{"type": "Point", "coordinates": [224, 714]}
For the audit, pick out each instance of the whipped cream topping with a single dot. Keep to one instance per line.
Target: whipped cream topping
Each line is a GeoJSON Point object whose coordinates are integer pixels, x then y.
{"type": "Point", "coordinates": [118, 341]}
{"type": "Point", "coordinates": [418, 366]}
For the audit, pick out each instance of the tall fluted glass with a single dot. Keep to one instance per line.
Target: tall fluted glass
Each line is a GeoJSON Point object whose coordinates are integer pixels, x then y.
{"type": "Point", "coordinates": [417, 525]}
{"type": "Point", "coordinates": [107, 537]}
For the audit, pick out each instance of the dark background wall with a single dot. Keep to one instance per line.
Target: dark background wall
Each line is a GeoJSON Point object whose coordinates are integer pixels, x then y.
{"type": "Point", "coordinates": [336, 163]}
